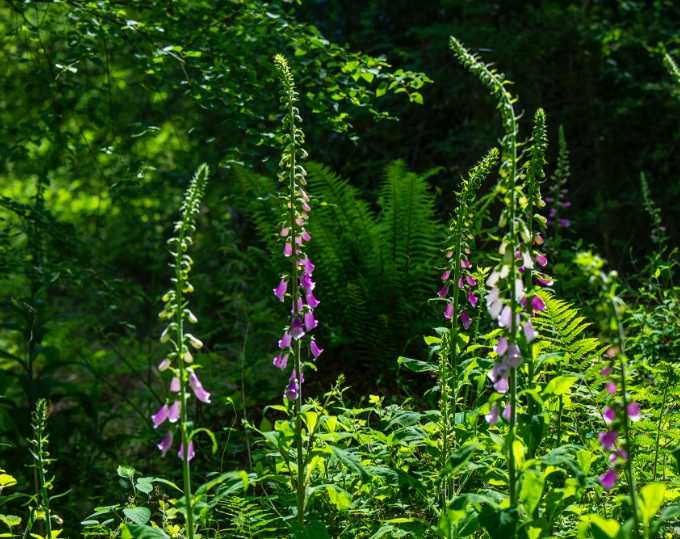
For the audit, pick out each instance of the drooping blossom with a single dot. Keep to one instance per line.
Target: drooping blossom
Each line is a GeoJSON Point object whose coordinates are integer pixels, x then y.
{"type": "Point", "coordinates": [472, 299]}
{"type": "Point", "coordinates": [164, 365]}
{"type": "Point", "coordinates": [606, 371]}
{"type": "Point", "coordinates": [611, 387]}
{"type": "Point", "coordinates": [492, 416]}
{"type": "Point", "coordinates": [307, 265]}
{"type": "Point", "coordinates": [196, 386]}
{"type": "Point", "coordinates": [310, 321]}
{"type": "Point", "coordinates": [174, 412]}
{"type": "Point", "coordinates": [514, 357]}
{"type": "Point", "coordinates": [280, 291]}
{"type": "Point", "coordinates": [312, 301]}
{"type": "Point", "coordinates": [292, 390]}
{"type": "Point", "coordinates": [529, 332]}
{"type": "Point", "coordinates": [288, 249]}
{"type": "Point", "coordinates": [296, 329]}
{"type": "Point", "coordinates": [609, 415]}
{"type": "Point", "coordinates": [165, 444]}
{"type": "Point", "coordinates": [307, 283]}
{"type": "Point", "coordinates": [465, 319]}
{"type": "Point", "coordinates": [191, 453]}
{"type": "Point", "coordinates": [448, 312]}
{"type": "Point", "coordinates": [633, 411]}
{"type": "Point", "coordinates": [608, 439]}
{"type": "Point", "coordinates": [281, 361]}
{"type": "Point", "coordinates": [538, 304]}
{"type": "Point", "coordinates": [608, 479]}
{"type": "Point", "coordinates": [507, 413]}
{"type": "Point", "coordinates": [160, 416]}
{"type": "Point", "coordinates": [314, 348]}
{"type": "Point", "coordinates": [285, 341]}
{"type": "Point", "coordinates": [502, 346]}
{"type": "Point", "coordinates": [541, 259]}
{"type": "Point", "coordinates": [443, 292]}
{"type": "Point", "coordinates": [175, 385]}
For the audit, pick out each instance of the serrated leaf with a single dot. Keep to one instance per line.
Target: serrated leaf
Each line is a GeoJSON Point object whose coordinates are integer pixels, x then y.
{"type": "Point", "coordinates": [138, 515]}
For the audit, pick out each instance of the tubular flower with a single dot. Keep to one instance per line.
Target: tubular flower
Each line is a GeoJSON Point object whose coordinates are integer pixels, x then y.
{"type": "Point", "coordinates": [281, 361]}
{"type": "Point", "coordinates": [633, 411]}
{"type": "Point", "coordinates": [165, 444]}
{"type": "Point", "coordinates": [196, 386]}
{"type": "Point", "coordinates": [314, 348]}
{"type": "Point", "coordinates": [175, 385]}
{"type": "Point", "coordinates": [280, 291]}
{"type": "Point", "coordinates": [296, 329]}
{"type": "Point", "coordinates": [191, 453]}
{"type": "Point", "coordinates": [285, 341]}
{"type": "Point", "coordinates": [492, 416]}
{"type": "Point", "coordinates": [160, 416]}
{"type": "Point", "coordinates": [164, 365]}
{"type": "Point", "coordinates": [292, 390]}
{"type": "Point", "coordinates": [608, 479]}
{"type": "Point", "coordinates": [310, 321]}
{"type": "Point", "coordinates": [174, 412]}
{"type": "Point", "coordinates": [465, 319]}
{"type": "Point", "coordinates": [312, 301]}
{"type": "Point", "coordinates": [448, 312]}
{"type": "Point", "coordinates": [608, 439]}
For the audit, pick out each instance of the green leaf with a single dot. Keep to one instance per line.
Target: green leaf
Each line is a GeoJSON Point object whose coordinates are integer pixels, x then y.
{"type": "Point", "coordinates": [457, 459]}
{"type": "Point", "coordinates": [10, 520]}
{"type": "Point", "coordinates": [531, 490]}
{"type": "Point", "coordinates": [382, 89]}
{"type": "Point", "coordinates": [314, 530]}
{"type": "Point", "coordinates": [138, 515]}
{"type": "Point", "coordinates": [499, 523]}
{"type": "Point", "coordinates": [416, 97]}
{"type": "Point", "coordinates": [651, 500]}
{"type": "Point", "coordinates": [558, 386]}
{"type": "Point", "coordinates": [351, 462]}
{"type": "Point", "coordinates": [135, 531]}
{"type": "Point", "coordinates": [670, 513]}
{"type": "Point", "coordinates": [144, 484]}
{"type": "Point", "coordinates": [415, 365]}
{"type": "Point", "coordinates": [126, 472]}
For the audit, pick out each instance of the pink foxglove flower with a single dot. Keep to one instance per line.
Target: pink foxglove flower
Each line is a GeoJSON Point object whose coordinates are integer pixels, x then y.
{"type": "Point", "coordinates": [608, 439]}
{"type": "Point", "coordinates": [608, 479]}
{"type": "Point", "coordinates": [312, 301]}
{"type": "Point", "coordinates": [164, 365]}
{"type": "Point", "coordinates": [307, 266]}
{"type": "Point", "coordinates": [292, 390]}
{"type": "Point", "coordinates": [465, 263]}
{"type": "Point", "coordinates": [470, 281]}
{"type": "Point", "coordinates": [280, 291]}
{"type": "Point", "coordinates": [307, 283]}
{"type": "Point", "coordinates": [492, 416]}
{"type": "Point", "coordinates": [448, 312]}
{"type": "Point", "coordinates": [174, 412]}
{"type": "Point", "coordinates": [529, 332]}
{"type": "Point", "coordinates": [472, 299]}
{"type": "Point", "coordinates": [160, 416]}
{"type": "Point", "coordinates": [442, 293]}
{"type": "Point", "coordinates": [502, 346]}
{"type": "Point", "coordinates": [285, 341]}
{"type": "Point", "coordinates": [310, 321]}
{"type": "Point", "coordinates": [611, 387]}
{"type": "Point", "coordinates": [514, 358]}
{"type": "Point", "coordinates": [296, 329]}
{"type": "Point", "coordinates": [465, 319]}
{"type": "Point", "coordinates": [165, 444]}
{"type": "Point", "coordinates": [507, 413]}
{"type": "Point", "coordinates": [609, 415]}
{"type": "Point", "coordinates": [633, 411]}
{"type": "Point", "coordinates": [314, 348]}
{"type": "Point", "coordinates": [174, 385]}
{"type": "Point", "coordinates": [606, 371]}
{"type": "Point", "coordinates": [541, 259]}
{"type": "Point", "coordinates": [446, 275]}
{"type": "Point", "coordinates": [191, 453]}
{"type": "Point", "coordinates": [281, 361]}
{"type": "Point", "coordinates": [538, 304]}
{"type": "Point", "coordinates": [288, 249]}
{"type": "Point", "coordinates": [196, 386]}
{"type": "Point", "coordinates": [285, 231]}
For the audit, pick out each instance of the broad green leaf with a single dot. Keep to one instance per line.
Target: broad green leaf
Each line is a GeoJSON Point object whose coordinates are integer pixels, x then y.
{"type": "Point", "coordinates": [135, 531]}
{"type": "Point", "coordinates": [457, 459]}
{"type": "Point", "coordinates": [499, 523]}
{"type": "Point", "coordinates": [415, 365]}
{"type": "Point", "coordinates": [531, 491]}
{"type": "Point", "coordinates": [138, 515]}
{"type": "Point", "coordinates": [314, 530]}
{"type": "Point", "coordinates": [7, 480]}
{"type": "Point", "coordinates": [558, 386]}
{"type": "Point", "coordinates": [351, 462]}
{"type": "Point", "coordinates": [126, 472]}
{"type": "Point", "coordinates": [651, 500]}
{"type": "Point", "coordinates": [381, 90]}
{"type": "Point", "coordinates": [10, 520]}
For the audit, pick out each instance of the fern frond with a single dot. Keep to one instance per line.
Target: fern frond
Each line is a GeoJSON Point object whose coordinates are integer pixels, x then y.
{"type": "Point", "coordinates": [248, 520]}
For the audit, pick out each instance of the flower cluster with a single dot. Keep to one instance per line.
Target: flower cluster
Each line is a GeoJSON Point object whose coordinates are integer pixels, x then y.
{"type": "Point", "coordinates": [557, 190]}
{"type": "Point", "coordinates": [616, 416]}
{"type": "Point", "coordinates": [293, 231]}
{"type": "Point", "coordinates": [179, 360]}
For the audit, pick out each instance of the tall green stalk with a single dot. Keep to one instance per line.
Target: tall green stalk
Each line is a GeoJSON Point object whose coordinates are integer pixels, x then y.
{"type": "Point", "coordinates": [42, 459]}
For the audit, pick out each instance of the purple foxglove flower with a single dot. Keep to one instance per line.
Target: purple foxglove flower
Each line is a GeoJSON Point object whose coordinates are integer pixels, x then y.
{"type": "Point", "coordinates": [494, 304]}
{"type": "Point", "coordinates": [174, 385]}
{"type": "Point", "coordinates": [564, 223]}
{"type": "Point", "coordinates": [538, 304]}
{"type": "Point", "coordinates": [314, 348]}
{"type": "Point", "coordinates": [448, 312]}
{"type": "Point", "coordinates": [541, 259]}
{"type": "Point", "coordinates": [305, 206]}
{"type": "Point", "coordinates": [548, 222]}
{"type": "Point", "coordinates": [292, 390]}
{"type": "Point", "coordinates": [564, 204]}
{"type": "Point", "coordinates": [465, 263]}
{"type": "Point", "coordinates": [285, 341]}
{"type": "Point", "coordinates": [553, 212]}
{"type": "Point", "coordinates": [305, 236]}
{"type": "Point", "coordinates": [518, 254]}
{"type": "Point", "coordinates": [288, 249]}
{"type": "Point", "coordinates": [623, 454]}
{"type": "Point", "coordinates": [160, 416]}
{"type": "Point", "coordinates": [307, 283]}
{"type": "Point", "coordinates": [507, 412]}
{"type": "Point", "coordinates": [501, 386]}
{"type": "Point", "coordinates": [611, 387]}
{"type": "Point", "coordinates": [519, 289]}
{"type": "Point", "coordinates": [174, 412]}
{"type": "Point", "coordinates": [446, 275]}
{"type": "Point", "coordinates": [285, 231]}
{"type": "Point", "coordinates": [310, 321]}
{"type": "Point", "coordinates": [633, 411]}
{"type": "Point", "coordinates": [191, 454]}
{"type": "Point", "coordinates": [529, 332]}
{"type": "Point", "coordinates": [505, 318]}
{"type": "Point", "coordinates": [538, 240]}
{"type": "Point", "coordinates": [549, 199]}
{"type": "Point", "coordinates": [202, 395]}
{"type": "Point", "coordinates": [609, 415]}
{"type": "Point", "coordinates": [523, 301]}
{"type": "Point", "coordinates": [544, 280]}
{"type": "Point", "coordinates": [460, 283]}
{"type": "Point", "coordinates": [492, 416]}
{"type": "Point", "coordinates": [296, 329]}
{"type": "Point", "coordinates": [449, 254]}
{"type": "Point", "coordinates": [299, 306]}
{"type": "Point", "coordinates": [307, 265]}
{"type": "Point", "coordinates": [502, 346]}
{"type": "Point", "coordinates": [606, 371]}
{"type": "Point", "coordinates": [470, 280]}
{"type": "Point", "coordinates": [465, 319]}
{"type": "Point", "coordinates": [194, 382]}
{"type": "Point", "coordinates": [442, 293]}
{"type": "Point", "coordinates": [472, 299]}
{"type": "Point", "coordinates": [293, 376]}
{"type": "Point", "coordinates": [165, 444]}
{"type": "Point", "coordinates": [298, 240]}
{"type": "Point", "coordinates": [164, 365]}
{"type": "Point", "coordinates": [281, 361]}
{"type": "Point", "coordinates": [608, 439]}
{"type": "Point", "coordinates": [514, 357]}
{"type": "Point", "coordinates": [608, 479]}
{"type": "Point", "coordinates": [312, 301]}
{"type": "Point", "coordinates": [299, 221]}
{"type": "Point", "coordinates": [280, 291]}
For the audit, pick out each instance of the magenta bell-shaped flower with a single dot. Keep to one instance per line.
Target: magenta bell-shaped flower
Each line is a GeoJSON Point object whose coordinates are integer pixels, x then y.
{"type": "Point", "coordinates": [307, 283]}
{"type": "Point", "coordinates": [633, 411]}
{"type": "Point", "coordinates": [446, 275]}
{"type": "Point", "coordinates": [312, 301]}
{"type": "Point", "coordinates": [541, 259]}
{"type": "Point", "coordinates": [465, 319]}
{"type": "Point", "coordinates": [292, 390]}
{"type": "Point", "coordinates": [472, 299]}
{"type": "Point", "coordinates": [201, 394]}
{"type": "Point", "coordinates": [310, 321]}
{"type": "Point", "coordinates": [448, 312]}
{"type": "Point", "coordinates": [608, 439]}
{"type": "Point", "coordinates": [285, 341]}
{"type": "Point", "coordinates": [175, 385]}
{"type": "Point", "coordinates": [442, 293]}
{"type": "Point", "coordinates": [165, 444]}
{"type": "Point", "coordinates": [609, 415]}
{"type": "Point", "coordinates": [507, 412]}
{"type": "Point", "coordinates": [281, 361]}
{"type": "Point", "coordinates": [502, 346]}
{"type": "Point", "coordinates": [288, 249]}
{"type": "Point", "coordinates": [280, 291]}
{"type": "Point", "coordinates": [160, 416]}
{"type": "Point", "coordinates": [470, 280]}
{"type": "Point", "coordinates": [307, 265]}
{"type": "Point", "coordinates": [492, 416]}
{"type": "Point", "coordinates": [300, 304]}
{"type": "Point", "coordinates": [314, 348]}
{"type": "Point", "coordinates": [606, 371]}
{"type": "Point", "coordinates": [174, 412]}
{"type": "Point", "coordinates": [191, 454]}
{"type": "Point", "coordinates": [305, 236]}
{"type": "Point", "coordinates": [285, 231]}
{"type": "Point", "coordinates": [465, 263]}
{"type": "Point", "coordinates": [501, 386]}
{"type": "Point", "coordinates": [608, 479]}
{"type": "Point", "coordinates": [538, 304]}
{"type": "Point", "coordinates": [611, 387]}
{"type": "Point", "coordinates": [296, 329]}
